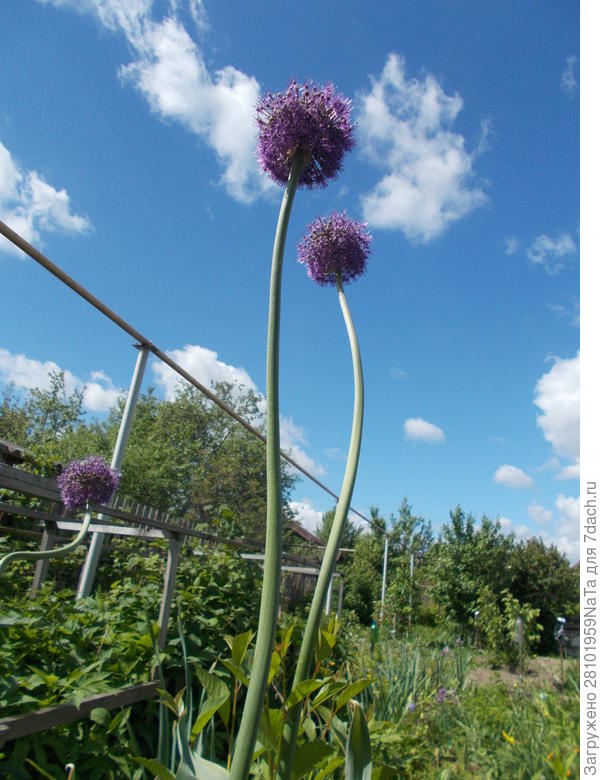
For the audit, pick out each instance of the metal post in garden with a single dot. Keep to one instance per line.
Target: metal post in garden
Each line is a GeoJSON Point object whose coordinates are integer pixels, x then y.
{"type": "Point", "coordinates": [384, 577]}
{"type": "Point", "coordinates": [476, 628]}
{"type": "Point", "coordinates": [88, 572]}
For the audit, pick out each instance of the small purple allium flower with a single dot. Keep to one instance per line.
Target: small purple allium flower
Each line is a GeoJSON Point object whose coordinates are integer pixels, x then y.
{"type": "Point", "coordinates": [442, 694]}
{"type": "Point", "coordinates": [334, 245]}
{"type": "Point", "coordinates": [86, 480]}
{"type": "Point", "coordinates": [309, 117]}
{"type": "Point", "coordinates": [411, 706]}
{"type": "Point", "coordinates": [446, 651]}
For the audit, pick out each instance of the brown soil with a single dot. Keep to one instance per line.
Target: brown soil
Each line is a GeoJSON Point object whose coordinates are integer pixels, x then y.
{"type": "Point", "coordinates": [539, 671]}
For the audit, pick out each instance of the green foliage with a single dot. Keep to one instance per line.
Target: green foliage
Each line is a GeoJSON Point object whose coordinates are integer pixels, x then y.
{"type": "Point", "coordinates": [543, 577]}
{"type": "Point", "coordinates": [467, 558]}
{"type": "Point", "coordinates": [498, 626]}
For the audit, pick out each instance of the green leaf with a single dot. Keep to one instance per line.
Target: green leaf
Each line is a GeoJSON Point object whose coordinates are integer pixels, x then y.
{"type": "Point", "coordinates": [327, 771]}
{"type": "Point", "coordinates": [359, 763]}
{"type": "Point", "coordinates": [239, 645]}
{"type": "Point", "coordinates": [203, 770]}
{"type": "Point", "coordinates": [207, 710]}
{"type": "Point", "coordinates": [351, 691]}
{"type": "Point", "coordinates": [236, 670]}
{"type": "Point", "coordinates": [153, 765]}
{"type": "Point", "coordinates": [100, 715]}
{"type": "Point", "coordinates": [308, 756]}
{"type": "Point", "coordinates": [304, 688]}
{"type": "Point", "coordinates": [324, 645]}
{"type": "Point", "coordinates": [328, 692]}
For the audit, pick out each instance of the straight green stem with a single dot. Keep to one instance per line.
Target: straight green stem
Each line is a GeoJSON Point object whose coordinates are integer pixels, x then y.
{"type": "Point", "coordinates": [267, 621]}
{"type": "Point", "coordinates": [305, 658]}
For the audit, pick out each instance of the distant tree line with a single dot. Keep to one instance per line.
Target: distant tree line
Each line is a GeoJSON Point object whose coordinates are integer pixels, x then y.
{"type": "Point", "coordinates": [188, 457]}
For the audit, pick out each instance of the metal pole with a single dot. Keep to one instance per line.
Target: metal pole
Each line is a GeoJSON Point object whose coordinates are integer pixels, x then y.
{"type": "Point", "coordinates": [385, 563]}
{"type": "Point", "coordinates": [88, 572]}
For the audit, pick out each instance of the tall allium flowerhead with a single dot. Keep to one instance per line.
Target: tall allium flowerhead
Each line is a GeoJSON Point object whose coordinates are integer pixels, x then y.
{"type": "Point", "coordinates": [309, 117]}
{"type": "Point", "coordinates": [86, 480]}
{"type": "Point", "coordinates": [334, 245]}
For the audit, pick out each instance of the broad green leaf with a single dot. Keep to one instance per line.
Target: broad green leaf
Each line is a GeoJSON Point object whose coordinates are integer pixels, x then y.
{"type": "Point", "coordinates": [308, 756]}
{"type": "Point", "coordinates": [304, 688]}
{"type": "Point", "coordinates": [327, 692]}
{"type": "Point", "coordinates": [359, 763]}
{"type": "Point", "coordinates": [351, 691]}
{"type": "Point", "coordinates": [100, 715]}
{"type": "Point", "coordinates": [286, 638]}
{"type": "Point", "coordinates": [324, 645]}
{"type": "Point", "coordinates": [327, 771]}
{"type": "Point", "coordinates": [239, 645]}
{"type": "Point", "coordinates": [153, 765]}
{"type": "Point", "coordinates": [216, 688]}
{"type": "Point", "coordinates": [207, 710]}
{"type": "Point", "coordinates": [203, 770]}
{"type": "Point", "coordinates": [236, 670]}
{"type": "Point", "coordinates": [271, 726]}
{"type": "Point", "coordinates": [275, 666]}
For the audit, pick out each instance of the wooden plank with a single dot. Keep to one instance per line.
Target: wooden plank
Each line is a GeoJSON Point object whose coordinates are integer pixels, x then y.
{"type": "Point", "coordinates": [32, 484]}
{"type": "Point", "coordinates": [41, 567]}
{"type": "Point", "coordinates": [49, 717]}
{"type": "Point", "coordinates": [115, 530]}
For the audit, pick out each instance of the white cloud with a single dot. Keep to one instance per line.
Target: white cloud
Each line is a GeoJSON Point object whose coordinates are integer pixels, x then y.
{"type": "Point", "coordinates": [306, 514]}
{"type": "Point", "coordinates": [99, 394]}
{"type": "Point", "coordinates": [513, 477]}
{"type": "Point", "coordinates": [204, 365]}
{"type": "Point", "coordinates": [549, 253]}
{"type": "Point", "coordinates": [403, 125]}
{"type": "Point", "coordinates": [420, 430]}
{"type": "Point", "coordinates": [29, 205]}
{"type": "Point", "coordinates": [511, 244]}
{"type": "Point", "coordinates": [520, 531]}
{"type": "Point", "coordinates": [539, 514]}
{"type": "Point", "coordinates": [568, 81]}
{"type": "Point", "coordinates": [567, 538]}
{"type": "Point", "coordinates": [557, 396]}
{"type": "Point", "coordinates": [170, 72]}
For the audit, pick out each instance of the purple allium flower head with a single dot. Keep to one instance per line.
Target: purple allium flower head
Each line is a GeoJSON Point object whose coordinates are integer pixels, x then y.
{"type": "Point", "coordinates": [411, 706]}
{"type": "Point", "coordinates": [332, 245]}
{"type": "Point", "coordinates": [442, 694]}
{"type": "Point", "coordinates": [309, 117]}
{"type": "Point", "coordinates": [86, 480]}
{"type": "Point", "coordinates": [446, 651]}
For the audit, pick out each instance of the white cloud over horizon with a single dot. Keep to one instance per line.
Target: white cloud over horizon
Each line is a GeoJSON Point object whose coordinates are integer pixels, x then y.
{"type": "Point", "coordinates": [418, 429]}
{"type": "Point", "coordinates": [556, 394]}
{"type": "Point", "coordinates": [404, 127]}
{"type": "Point", "coordinates": [31, 206]}
{"type": "Point", "coordinates": [169, 71]}
{"type": "Point", "coordinates": [512, 477]}
{"type": "Point", "coordinates": [305, 513]}
{"type": "Point", "coordinates": [99, 393]}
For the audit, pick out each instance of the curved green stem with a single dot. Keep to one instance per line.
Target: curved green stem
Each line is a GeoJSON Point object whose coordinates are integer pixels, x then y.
{"type": "Point", "coordinates": [305, 659]}
{"type": "Point", "coordinates": [58, 553]}
{"type": "Point", "coordinates": [269, 603]}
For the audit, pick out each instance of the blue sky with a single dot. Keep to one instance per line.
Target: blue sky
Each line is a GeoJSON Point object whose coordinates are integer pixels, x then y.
{"type": "Point", "coordinates": [127, 156]}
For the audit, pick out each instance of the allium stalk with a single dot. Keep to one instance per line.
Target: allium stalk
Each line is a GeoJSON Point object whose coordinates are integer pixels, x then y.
{"type": "Point", "coordinates": [338, 249]}
{"type": "Point", "coordinates": [303, 135]}
{"type": "Point", "coordinates": [269, 603]}
{"type": "Point", "coordinates": [82, 482]}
